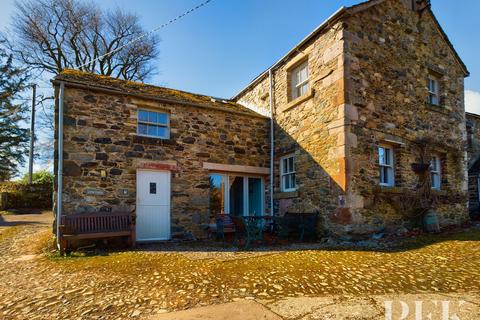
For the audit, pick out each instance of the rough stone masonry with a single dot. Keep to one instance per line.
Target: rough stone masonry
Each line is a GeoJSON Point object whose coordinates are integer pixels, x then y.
{"type": "Point", "coordinates": [100, 133]}
{"type": "Point", "coordinates": [368, 74]}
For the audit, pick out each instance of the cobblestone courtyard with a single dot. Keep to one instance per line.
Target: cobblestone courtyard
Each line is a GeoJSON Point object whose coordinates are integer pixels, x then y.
{"type": "Point", "coordinates": [146, 282]}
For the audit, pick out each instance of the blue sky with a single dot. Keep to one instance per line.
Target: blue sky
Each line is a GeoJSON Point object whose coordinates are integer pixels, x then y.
{"type": "Point", "coordinates": [222, 47]}
{"type": "Point", "coordinates": [219, 49]}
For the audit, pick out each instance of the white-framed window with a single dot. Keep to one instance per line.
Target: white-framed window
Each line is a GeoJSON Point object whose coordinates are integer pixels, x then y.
{"type": "Point", "coordinates": [288, 180]}
{"type": "Point", "coordinates": [299, 80]}
{"type": "Point", "coordinates": [435, 172]}
{"type": "Point", "coordinates": [153, 124]}
{"type": "Point", "coordinates": [237, 195]}
{"type": "Point", "coordinates": [385, 161]}
{"type": "Point", "coordinates": [433, 91]}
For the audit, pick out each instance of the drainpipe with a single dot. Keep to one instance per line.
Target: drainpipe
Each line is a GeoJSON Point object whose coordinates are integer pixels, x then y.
{"type": "Point", "coordinates": [60, 161]}
{"type": "Point", "coordinates": [272, 142]}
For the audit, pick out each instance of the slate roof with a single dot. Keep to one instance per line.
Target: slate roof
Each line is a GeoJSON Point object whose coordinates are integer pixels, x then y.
{"type": "Point", "coordinates": [93, 81]}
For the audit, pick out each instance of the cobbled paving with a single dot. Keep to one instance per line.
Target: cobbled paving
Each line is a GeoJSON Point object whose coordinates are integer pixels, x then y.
{"type": "Point", "coordinates": [135, 284]}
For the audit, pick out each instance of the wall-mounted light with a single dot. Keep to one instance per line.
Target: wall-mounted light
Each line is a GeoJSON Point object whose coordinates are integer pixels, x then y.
{"type": "Point", "coordinates": [103, 174]}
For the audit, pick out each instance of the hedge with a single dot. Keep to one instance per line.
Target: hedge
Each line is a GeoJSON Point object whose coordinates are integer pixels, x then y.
{"type": "Point", "coordinates": [16, 195]}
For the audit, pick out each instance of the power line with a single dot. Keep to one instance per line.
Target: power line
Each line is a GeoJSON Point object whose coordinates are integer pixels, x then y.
{"type": "Point", "coordinates": [148, 33]}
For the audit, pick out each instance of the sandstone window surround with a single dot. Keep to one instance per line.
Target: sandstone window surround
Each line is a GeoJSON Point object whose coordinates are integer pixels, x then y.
{"type": "Point", "coordinates": [153, 124]}
{"type": "Point", "coordinates": [386, 164]}
{"type": "Point", "coordinates": [288, 182]}
{"type": "Point", "coordinates": [433, 85]}
{"type": "Point", "coordinates": [299, 88]}
{"type": "Point", "coordinates": [435, 172]}
{"type": "Point", "coordinates": [299, 80]}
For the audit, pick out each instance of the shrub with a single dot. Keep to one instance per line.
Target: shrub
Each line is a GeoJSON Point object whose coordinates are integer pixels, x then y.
{"type": "Point", "coordinates": [42, 176]}
{"type": "Point", "coordinates": [23, 195]}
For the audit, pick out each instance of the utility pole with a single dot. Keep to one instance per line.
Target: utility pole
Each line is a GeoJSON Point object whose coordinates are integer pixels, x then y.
{"type": "Point", "coordinates": [32, 135]}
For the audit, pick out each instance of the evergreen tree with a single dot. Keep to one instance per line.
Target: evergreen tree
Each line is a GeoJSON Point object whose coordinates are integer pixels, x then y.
{"type": "Point", "coordinates": [13, 138]}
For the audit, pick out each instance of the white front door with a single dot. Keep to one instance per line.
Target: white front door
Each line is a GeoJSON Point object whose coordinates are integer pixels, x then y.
{"type": "Point", "coordinates": [153, 205]}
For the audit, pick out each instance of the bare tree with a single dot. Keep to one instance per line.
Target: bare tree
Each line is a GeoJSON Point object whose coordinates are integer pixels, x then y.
{"type": "Point", "coordinates": [52, 35]}
{"type": "Point", "coordinates": [48, 36]}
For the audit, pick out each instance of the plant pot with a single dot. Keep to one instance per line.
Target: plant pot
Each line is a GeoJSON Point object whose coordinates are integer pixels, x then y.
{"type": "Point", "coordinates": [431, 223]}
{"type": "Point", "coordinates": [420, 167]}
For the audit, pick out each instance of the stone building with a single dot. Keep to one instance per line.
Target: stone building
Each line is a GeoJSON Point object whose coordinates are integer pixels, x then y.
{"type": "Point", "coordinates": [157, 152]}
{"type": "Point", "coordinates": [473, 150]}
{"type": "Point", "coordinates": [371, 91]}
{"type": "Point", "coordinates": [374, 89]}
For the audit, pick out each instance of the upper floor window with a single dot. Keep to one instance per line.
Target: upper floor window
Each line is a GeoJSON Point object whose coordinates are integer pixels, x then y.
{"type": "Point", "coordinates": [385, 161]}
{"type": "Point", "coordinates": [153, 124]}
{"type": "Point", "coordinates": [433, 91]}
{"type": "Point", "coordinates": [299, 80]}
{"type": "Point", "coordinates": [287, 172]}
{"type": "Point", "coordinates": [435, 171]}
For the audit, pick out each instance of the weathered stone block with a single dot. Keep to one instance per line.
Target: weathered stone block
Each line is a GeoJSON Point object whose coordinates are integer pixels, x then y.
{"type": "Point", "coordinates": [101, 156]}
{"type": "Point", "coordinates": [115, 171]}
{"type": "Point", "coordinates": [70, 168]}
{"type": "Point", "coordinates": [103, 140]}
{"type": "Point", "coordinates": [189, 140]}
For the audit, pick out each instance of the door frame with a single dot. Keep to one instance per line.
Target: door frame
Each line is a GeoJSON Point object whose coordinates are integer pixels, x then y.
{"type": "Point", "coordinates": [245, 177]}
{"type": "Point", "coordinates": [169, 203]}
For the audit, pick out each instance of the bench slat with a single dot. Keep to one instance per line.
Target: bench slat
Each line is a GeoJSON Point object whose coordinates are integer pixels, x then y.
{"type": "Point", "coordinates": [96, 223]}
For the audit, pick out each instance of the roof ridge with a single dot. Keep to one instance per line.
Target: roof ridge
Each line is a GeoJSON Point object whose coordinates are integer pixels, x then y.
{"type": "Point", "coordinates": [351, 9]}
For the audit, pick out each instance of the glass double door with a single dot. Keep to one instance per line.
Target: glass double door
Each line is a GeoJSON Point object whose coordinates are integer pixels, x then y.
{"type": "Point", "coordinates": [236, 195]}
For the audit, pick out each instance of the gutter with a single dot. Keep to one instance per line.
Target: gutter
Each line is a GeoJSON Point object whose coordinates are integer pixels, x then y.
{"type": "Point", "coordinates": [269, 71]}
{"type": "Point", "coordinates": [272, 143]}
{"type": "Point", "coordinates": [60, 161]}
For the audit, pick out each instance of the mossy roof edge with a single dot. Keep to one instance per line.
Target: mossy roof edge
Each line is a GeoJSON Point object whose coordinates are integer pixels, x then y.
{"type": "Point", "coordinates": [150, 91]}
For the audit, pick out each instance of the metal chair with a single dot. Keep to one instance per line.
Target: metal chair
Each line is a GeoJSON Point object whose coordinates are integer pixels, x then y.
{"type": "Point", "coordinates": [240, 229]}
{"type": "Point", "coordinates": [254, 229]}
{"type": "Point", "coordinates": [220, 231]}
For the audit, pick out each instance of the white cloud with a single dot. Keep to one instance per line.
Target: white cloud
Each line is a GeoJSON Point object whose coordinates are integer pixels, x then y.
{"type": "Point", "coordinates": [472, 101]}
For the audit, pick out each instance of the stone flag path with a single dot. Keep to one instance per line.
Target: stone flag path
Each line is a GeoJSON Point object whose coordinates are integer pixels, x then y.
{"type": "Point", "coordinates": [149, 283]}
{"type": "Point", "coordinates": [337, 307]}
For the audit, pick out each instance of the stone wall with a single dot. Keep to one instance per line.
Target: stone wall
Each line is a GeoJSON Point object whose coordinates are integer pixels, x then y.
{"type": "Point", "coordinates": [473, 150]}
{"type": "Point", "coordinates": [100, 134]}
{"type": "Point", "coordinates": [390, 52]}
{"type": "Point", "coordinates": [368, 75]}
{"type": "Point", "coordinates": [311, 127]}
{"type": "Point", "coordinates": [473, 137]}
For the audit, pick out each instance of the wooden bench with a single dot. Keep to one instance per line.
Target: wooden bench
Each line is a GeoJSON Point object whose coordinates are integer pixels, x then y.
{"type": "Point", "coordinates": [96, 226]}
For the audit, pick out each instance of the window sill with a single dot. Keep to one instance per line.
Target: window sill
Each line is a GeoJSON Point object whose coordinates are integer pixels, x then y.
{"type": "Point", "coordinates": [387, 189]}
{"type": "Point", "coordinates": [285, 195]}
{"type": "Point", "coordinates": [310, 93]}
{"type": "Point", "coordinates": [437, 108]}
{"type": "Point", "coordinates": [440, 192]}
{"type": "Point", "coordinates": [152, 140]}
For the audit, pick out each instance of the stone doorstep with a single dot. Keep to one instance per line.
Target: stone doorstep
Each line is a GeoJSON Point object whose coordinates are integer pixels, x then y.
{"type": "Point", "coordinates": [240, 310]}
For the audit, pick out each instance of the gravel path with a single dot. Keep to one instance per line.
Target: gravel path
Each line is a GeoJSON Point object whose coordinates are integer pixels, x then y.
{"type": "Point", "coordinates": [136, 284]}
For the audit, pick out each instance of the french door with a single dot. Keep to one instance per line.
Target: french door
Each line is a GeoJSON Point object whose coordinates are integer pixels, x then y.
{"type": "Point", "coordinates": [237, 195]}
